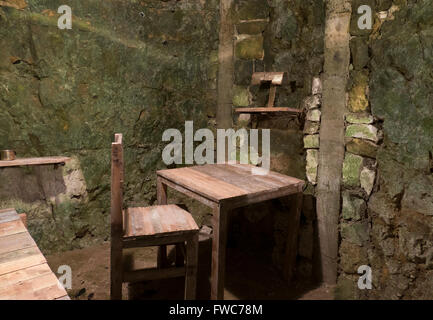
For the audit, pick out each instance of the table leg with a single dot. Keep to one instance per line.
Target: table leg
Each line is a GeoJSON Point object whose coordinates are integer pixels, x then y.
{"type": "Point", "coordinates": [161, 191]}
{"type": "Point", "coordinates": [191, 267]}
{"type": "Point", "coordinates": [292, 239]}
{"type": "Point", "coordinates": [161, 196]}
{"type": "Point", "coordinates": [219, 242]}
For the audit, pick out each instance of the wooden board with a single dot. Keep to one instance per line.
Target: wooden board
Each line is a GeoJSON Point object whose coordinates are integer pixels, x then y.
{"type": "Point", "coordinates": [12, 227]}
{"type": "Point", "coordinates": [162, 219]}
{"type": "Point", "coordinates": [15, 242]}
{"type": "Point", "coordinates": [276, 78]}
{"type": "Point", "coordinates": [221, 182]}
{"type": "Point", "coordinates": [43, 287]}
{"type": "Point", "coordinates": [24, 272]}
{"type": "Point", "coordinates": [33, 161]}
{"type": "Point", "coordinates": [266, 110]}
{"type": "Point", "coordinates": [20, 259]}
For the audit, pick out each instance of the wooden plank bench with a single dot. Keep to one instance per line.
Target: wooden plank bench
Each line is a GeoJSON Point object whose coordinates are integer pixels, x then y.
{"type": "Point", "coordinates": [24, 272]}
{"type": "Point", "coordinates": [33, 161]}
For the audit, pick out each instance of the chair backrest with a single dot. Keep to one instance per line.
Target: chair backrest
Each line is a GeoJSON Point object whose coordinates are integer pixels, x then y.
{"type": "Point", "coordinates": [117, 186]}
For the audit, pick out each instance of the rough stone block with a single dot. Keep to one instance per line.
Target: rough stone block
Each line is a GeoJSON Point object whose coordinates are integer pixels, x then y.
{"type": "Point", "coordinates": [241, 96]}
{"type": "Point", "coordinates": [367, 180]}
{"type": "Point", "coordinates": [362, 147]}
{"type": "Point", "coordinates": [314, 115]}
{"type": "Point", "coordinates": [311, 141]}
{"type": "Point", "coordinates": [312, 164]}
{"type": "Point", "coordinates": [353, 208]}
{"type": "Point", "coordinates": [311, 127]}
{"type": "Point", "coordinates": [250, 48]}
{"type": "Point", "coordinates": [359, 118]}
{"type": "Point", "coordinates": [243, 72]}
{"type": "Point", "coordinates": [382, 206]}
{"type": "Point", "coordinates": [253, 9]}
{"type": "Point", "coordinates": [418, 195]}
{"type": "Point", "coordinates": [316, 87]}
{"type": "Point", "coordinates": [312, 102]}
{"type": "Point", "coordinates": [362, 131]}
{"type": "Point", "coordinates": [358, 100]}
{"type": "Point", "coordinates": [352, 256]}
{"type": "Point", "coordinates": [356, 233]}
{"type": "Point", "coordinates": [352, 169]}
{"type": "Point", "coordinates": [359, 51]}
{"type": "Point", "coordinates": [251, 27]}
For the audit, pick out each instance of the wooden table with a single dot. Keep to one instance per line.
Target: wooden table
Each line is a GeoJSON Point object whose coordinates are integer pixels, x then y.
{"type": "Point", "coordinates": [24, 272]}
{"type": "Point", "coordinates": [224, 187]}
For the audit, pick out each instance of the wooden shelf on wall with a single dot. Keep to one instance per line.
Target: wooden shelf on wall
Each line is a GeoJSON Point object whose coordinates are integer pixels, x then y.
{"type": "Point", "coordinates": [268, 110]}
{"type": "Point", "coordinates": [33, 161]}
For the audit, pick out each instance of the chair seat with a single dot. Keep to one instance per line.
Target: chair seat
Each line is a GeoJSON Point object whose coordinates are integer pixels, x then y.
{"type": "Point", "coordinates": [158, 220]}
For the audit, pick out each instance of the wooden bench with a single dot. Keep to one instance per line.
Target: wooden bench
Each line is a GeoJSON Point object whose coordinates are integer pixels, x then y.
{"type": "Point", "coordinates": [24, 272]}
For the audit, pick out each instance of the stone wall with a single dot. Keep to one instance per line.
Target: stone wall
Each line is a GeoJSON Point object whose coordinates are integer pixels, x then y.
{"type": "Point", "coordinates": [387, 210]}
{"type": "Point", "coordinates": [136, 67]}
{"type": "Point", "coordinates": [142, 67]}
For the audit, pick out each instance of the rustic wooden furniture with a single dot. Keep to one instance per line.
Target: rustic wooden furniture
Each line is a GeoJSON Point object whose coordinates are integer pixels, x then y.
{"type": "Point", "coordinates": [150, 226]}
{"type": "Point", "coordinates": [274, 79]}
{"type": "Point", "coordinates": [227, 186]}
{"type": "Point", "coordinates": [33, 161]}
{"type": "Point", "coordinates": [24, 272]}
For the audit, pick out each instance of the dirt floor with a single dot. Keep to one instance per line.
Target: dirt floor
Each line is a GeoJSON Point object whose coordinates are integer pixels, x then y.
{"type": "Point", "coordinates": [249, 276]}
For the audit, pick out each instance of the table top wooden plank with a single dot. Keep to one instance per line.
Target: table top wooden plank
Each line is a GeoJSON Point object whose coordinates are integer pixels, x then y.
{"type": "Point", "coordinates": [20, 259]}
{"type": "Point", "coordinates": [202, 184]}
{"type": "Point", "coordinates": [15, 242]}
{"type": "Point", "coordinates": [7, 215]}
{"type": "Point", "coordinates": [24, 272]}
{"type": "Point", "coordinates": [12, 227]}
{"type": "Point", "coordinates": [43, 287]}
{"type": "Point", "coordinates": [33, 161]}
{"type": "Point", "coordinates": [221, 182]}
{"type": "Point", "coordinates": [242, 175]}
{"type": "Point", "coordinates": [7, 210]}
{"type": "Point", "coordinates": [271, 176]}
{"type": "Point", "coordinates": [13, 278]}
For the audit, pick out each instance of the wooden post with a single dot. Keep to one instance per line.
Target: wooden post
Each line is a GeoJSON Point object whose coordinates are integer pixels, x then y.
{"type": "Point", "coordinates": [331, 153]}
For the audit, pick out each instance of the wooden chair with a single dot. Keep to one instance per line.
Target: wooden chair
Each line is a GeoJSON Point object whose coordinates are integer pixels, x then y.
{"type": "Point", "coordinates": [150, 226]}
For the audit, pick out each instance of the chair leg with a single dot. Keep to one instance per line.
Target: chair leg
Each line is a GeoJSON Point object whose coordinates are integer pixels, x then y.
{"type": "Point", "coordinates": [162, 257]}
{"type": "Point", "coordinates": [180, 255]}
{"type": "Point", "coordinates": [191, 267]}
{"type": "Point", "coordinates": [116, 271]}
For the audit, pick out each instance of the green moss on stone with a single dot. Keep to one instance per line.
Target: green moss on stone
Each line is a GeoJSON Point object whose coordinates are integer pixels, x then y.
{"type": "Point", "coordinates": [352, 169]}
{"type": "Point", "coordinates": [250, 48]}
{"type": "Point", "coordinates": [241, 96]}
{"type": "Point", "coordinates": [311, 141]}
